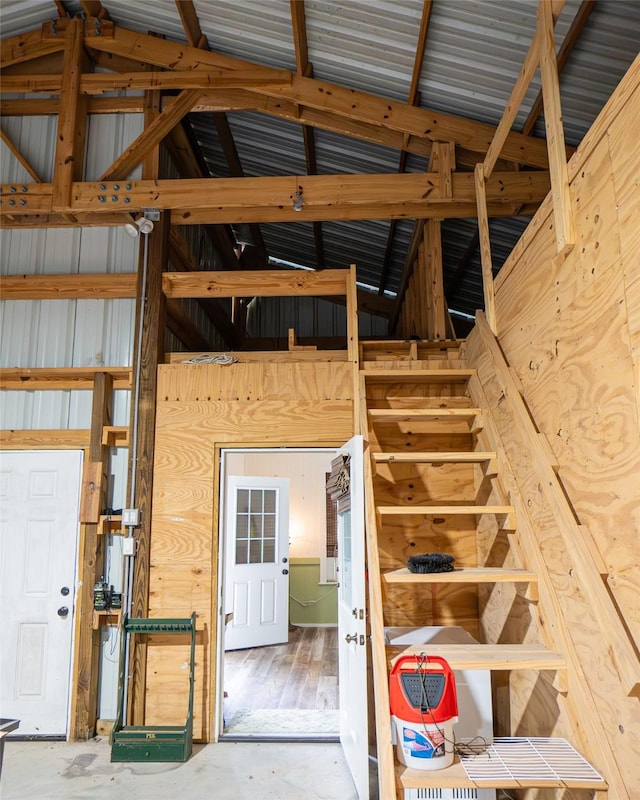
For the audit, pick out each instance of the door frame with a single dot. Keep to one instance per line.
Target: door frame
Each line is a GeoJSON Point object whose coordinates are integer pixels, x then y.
{"type": "Point", "coordinates": [77, 610]}
{"type": "Point", "coordinates": [219, 530]}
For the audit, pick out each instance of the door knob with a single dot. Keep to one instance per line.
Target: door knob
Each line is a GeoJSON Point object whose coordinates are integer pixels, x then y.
{"type": "Point", "coordinates": [285, 571]}
{"type": "Point", "coordinates": [351, 638]}
{"type": "Point", "coordinates": [64, 591]}
{"type": "Point", "coordinates": [63, 611]}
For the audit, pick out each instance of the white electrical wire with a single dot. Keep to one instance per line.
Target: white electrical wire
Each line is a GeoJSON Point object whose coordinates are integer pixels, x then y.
{"type": "Point", "coordinates": [222, 358]}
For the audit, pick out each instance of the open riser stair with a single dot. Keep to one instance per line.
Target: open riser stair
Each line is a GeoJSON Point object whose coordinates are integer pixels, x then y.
{"type": "Point", "coordinates": [432, 483]}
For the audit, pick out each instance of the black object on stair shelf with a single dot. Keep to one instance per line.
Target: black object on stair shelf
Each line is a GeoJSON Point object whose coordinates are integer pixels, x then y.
{"type": "Point", "coordinates": [430, 562]}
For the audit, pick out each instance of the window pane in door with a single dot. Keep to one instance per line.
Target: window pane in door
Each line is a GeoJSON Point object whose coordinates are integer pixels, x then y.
{"type": "Point", "coordinates": [255, 552]}
{"type": "Point", "coordinates": [269, 524]}
{"type": "Point", "coordinates": [256, 526]}
{"type": "Point", "coordinates": [242, 500]}
{"type": "Point", "coordinates": [270, 501]}
{"type": "Point", "coordinates": [256, 500]}
{"type": "Point", "coordinates": [241, 551]}
{"type": "Point", "coordinates": [269, 551]}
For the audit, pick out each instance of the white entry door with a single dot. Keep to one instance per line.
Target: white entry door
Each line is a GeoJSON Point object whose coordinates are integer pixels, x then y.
{"type": "Point", "coordinates": [352, 651]}
{"type": "Point", "coordinates": [39, 501]}
{"type": "Point", "coordinates": [256, 562]}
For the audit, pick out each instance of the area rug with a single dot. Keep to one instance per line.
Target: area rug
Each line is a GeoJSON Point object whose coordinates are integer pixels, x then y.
{"type": "Point", "coordinates": [282, 722]}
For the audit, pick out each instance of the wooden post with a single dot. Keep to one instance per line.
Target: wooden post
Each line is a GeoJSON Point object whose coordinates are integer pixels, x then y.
{"type": "Point", "coordinates": [436, 323]}
{"type": "Point", "coordinates": [485, 249]}
{"type": "Point", "coordinates": [562, 211]}
{"type": "Point", "coordinates": [151, 354]}
{"type": "Point", "coordinates": [87, 649]}
{"type": "Point", "coordinates": [352, 343]}
{"type": "Point", "coordinates": [72, 118]}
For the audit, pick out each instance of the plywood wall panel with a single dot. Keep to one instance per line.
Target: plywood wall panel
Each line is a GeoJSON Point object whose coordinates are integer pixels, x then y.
{"type": "Point", "coordinates": [201, 408]}
{"type": "Point", "coordinates": [251, 381]}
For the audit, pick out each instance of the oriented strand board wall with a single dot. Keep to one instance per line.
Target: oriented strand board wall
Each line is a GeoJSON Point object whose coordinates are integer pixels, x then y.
{"type": "Point", "coordinates": [201, 407]}
{"type": "Point", "coordinates": [570, 329]}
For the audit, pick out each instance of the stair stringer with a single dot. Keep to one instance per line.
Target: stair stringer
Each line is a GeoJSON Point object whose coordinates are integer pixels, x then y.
{"type": "Point", "coordinates": [600, 675]}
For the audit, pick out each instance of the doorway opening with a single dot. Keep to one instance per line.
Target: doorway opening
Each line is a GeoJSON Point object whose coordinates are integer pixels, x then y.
{"type": "Point", "coordinates": [278, 645]}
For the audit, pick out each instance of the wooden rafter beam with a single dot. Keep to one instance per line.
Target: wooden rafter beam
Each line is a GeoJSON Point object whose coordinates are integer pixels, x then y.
{"type": "Point", "coordinates": [98, 83]}
{"type": "Point", "coordinates": [569, 42]}
{"type": "Point", "coordinates": [152, 135]}
{"type": "Point", "coordinates": [191, 24]}
{"type": "Point", "coordinates": [244, 100]}
{"type": "Point", "coordinates": [269, 199]}
{"type": "Point", "coordinates": [30, 45]}
{"type": "Point", "coordinates": [325, 97]}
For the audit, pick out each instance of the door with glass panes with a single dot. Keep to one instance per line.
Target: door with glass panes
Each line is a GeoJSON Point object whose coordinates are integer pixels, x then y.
{"type": "Point", "coordinates": [256, 562]}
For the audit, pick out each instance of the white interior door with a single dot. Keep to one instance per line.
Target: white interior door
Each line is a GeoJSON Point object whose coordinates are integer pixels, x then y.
{"type": "Point", "coordinates": [39, 500]}
{"type": "Point", "coordinates": [352, 651]}
{"type": "Point", "coordinates": [256, 562]}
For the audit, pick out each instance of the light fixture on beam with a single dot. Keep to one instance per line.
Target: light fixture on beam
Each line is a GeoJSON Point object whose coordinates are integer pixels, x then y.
{"type": "Point", "coordinates": [144, 224]}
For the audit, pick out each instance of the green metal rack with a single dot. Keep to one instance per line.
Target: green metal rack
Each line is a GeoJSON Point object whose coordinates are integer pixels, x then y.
{"type": "Point", "coordinates": [153, 742]}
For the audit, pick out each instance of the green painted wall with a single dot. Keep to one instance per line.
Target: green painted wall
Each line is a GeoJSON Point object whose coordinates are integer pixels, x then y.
{"type": "Point", "coordinates": [304, 574]}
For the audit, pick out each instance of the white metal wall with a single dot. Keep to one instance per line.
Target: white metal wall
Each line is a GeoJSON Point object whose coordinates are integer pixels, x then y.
{"type": "Point", "coordinates": [70, 333]}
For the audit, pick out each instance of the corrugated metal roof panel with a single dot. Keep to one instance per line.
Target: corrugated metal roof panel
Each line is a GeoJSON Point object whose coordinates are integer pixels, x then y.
{"type": "Point", "coordinates": [364, 45]}
{"type": "Point", "coordinates": [472, 58]}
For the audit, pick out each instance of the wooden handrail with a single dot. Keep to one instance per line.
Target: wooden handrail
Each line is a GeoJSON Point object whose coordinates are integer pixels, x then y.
{"type": "Point", "coordinates": [386, 763]}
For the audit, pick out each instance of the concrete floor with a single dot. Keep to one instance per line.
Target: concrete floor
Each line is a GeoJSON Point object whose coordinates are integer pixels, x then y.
{"type": "Point", "coordinates": [226, 771]}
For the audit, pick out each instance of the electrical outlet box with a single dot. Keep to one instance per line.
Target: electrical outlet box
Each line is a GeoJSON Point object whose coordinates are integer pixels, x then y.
{"type": "Point", "coordinates": [130, 516]}
{"type": "Point", "coordinates": [128, 546]}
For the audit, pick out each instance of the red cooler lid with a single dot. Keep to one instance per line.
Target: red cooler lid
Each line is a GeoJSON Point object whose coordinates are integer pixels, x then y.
{"type": "Point", "coordinates": [422, 689]}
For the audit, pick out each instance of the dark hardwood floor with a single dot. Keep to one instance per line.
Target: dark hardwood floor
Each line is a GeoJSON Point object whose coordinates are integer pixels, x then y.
{"type": "Point", "coordinates": [302, 674]}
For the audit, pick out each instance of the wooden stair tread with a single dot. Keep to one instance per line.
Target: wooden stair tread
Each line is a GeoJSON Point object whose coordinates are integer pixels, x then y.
{"type": "Point", "coordinates": [464, 575]}
{"type": "Point", "coordinates": [446, 509]}
{"type": "Point", "coordinates": [486, 656]}
{"type": "Point", "coordinates": [407, 457]}
{"type": "Point", "coordinates": [417, 375]}
{"type": "Point", "coordinates": [431, 414]}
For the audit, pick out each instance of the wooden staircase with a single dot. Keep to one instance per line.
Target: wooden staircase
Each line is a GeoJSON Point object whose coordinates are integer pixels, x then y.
{"type": "Point", "coordinates": [431, 487]}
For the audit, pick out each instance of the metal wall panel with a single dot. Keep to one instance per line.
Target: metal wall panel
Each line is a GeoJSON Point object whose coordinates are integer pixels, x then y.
{"type": "Point", "coordinates": [308, 316]}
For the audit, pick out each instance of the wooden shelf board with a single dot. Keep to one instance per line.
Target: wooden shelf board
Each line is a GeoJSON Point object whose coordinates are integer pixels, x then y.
{"type": "Point", "coordinates": [455, 777]}
{"type": "Point", "coordinates": [61, 378]}
{"type": "Point", "coordinates": [417, 375]}
{"type": "Point", "coordinates": [486, 656]}
{"type": "Point", "coordinates": [407, 457]}
{"type": "Point", "coordinates": [428, 414]}
{"type": "Point", "coordinates": [444, 510]}
{"type": "Point", "coordinates": [464, 575]}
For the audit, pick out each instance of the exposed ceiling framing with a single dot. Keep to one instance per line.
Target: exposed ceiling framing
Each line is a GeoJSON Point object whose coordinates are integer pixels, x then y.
{"type": "Point", "coordinates": [208, 99]}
